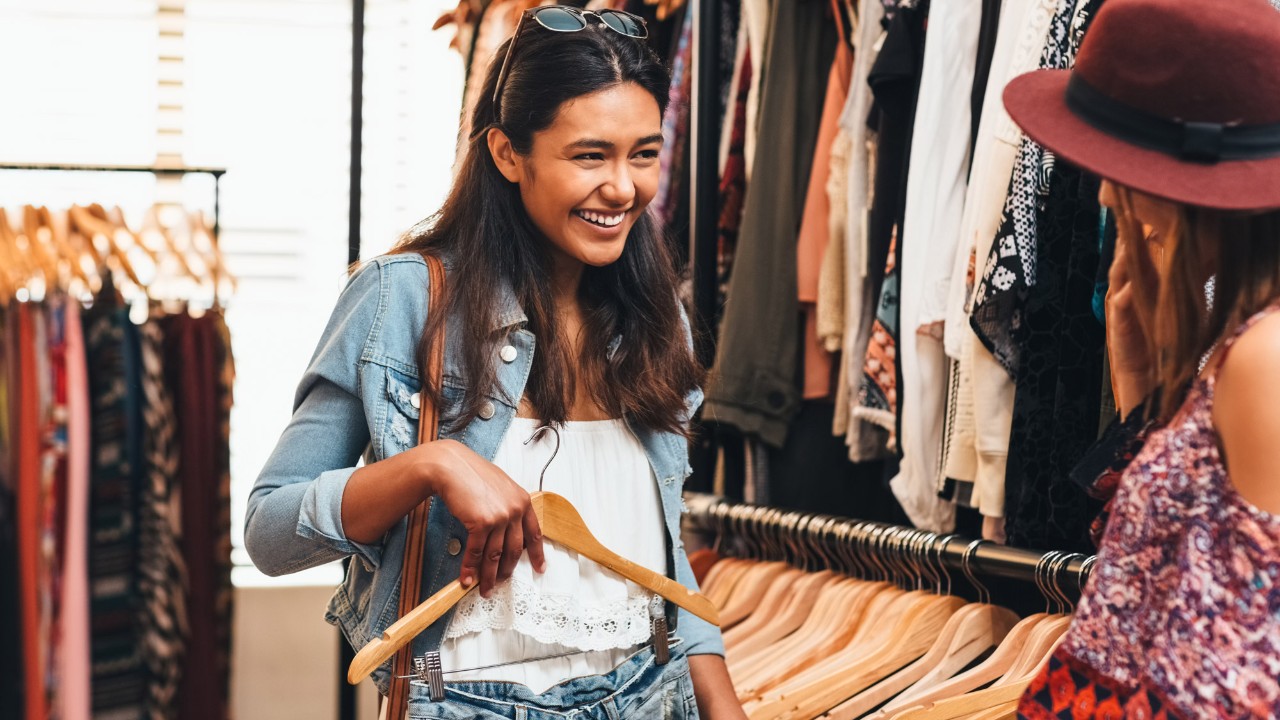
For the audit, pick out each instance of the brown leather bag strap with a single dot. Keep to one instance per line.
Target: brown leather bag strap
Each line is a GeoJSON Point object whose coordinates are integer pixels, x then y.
{"type": "Point", "coordinates": [415, 541]}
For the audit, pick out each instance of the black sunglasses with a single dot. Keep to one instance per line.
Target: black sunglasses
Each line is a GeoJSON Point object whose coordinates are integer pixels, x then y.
{"type": "Point", "coordinates": [561, 18]}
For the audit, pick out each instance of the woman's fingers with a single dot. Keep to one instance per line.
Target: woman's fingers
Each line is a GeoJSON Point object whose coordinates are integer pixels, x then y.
{"type": "Point", "coordinates": [493, 549]}
{"type": "Point", "coordinates": [513, 547]}
{"type": "Point", "coordinates": [533, 541]}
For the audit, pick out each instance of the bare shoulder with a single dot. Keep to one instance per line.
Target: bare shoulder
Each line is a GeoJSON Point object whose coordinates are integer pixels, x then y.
{"type": "Point", "coordinates": [1246, 413]}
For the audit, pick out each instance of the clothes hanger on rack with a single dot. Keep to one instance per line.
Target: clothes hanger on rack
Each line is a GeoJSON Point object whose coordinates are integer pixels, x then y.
{"type": "Point", "coordinates": [43, 257]}
{"type": "Point", "coordinates": [973, 630]}
{"type": "Point", "coordinates": [93, 226]}
{"type": "Point", "coordinates": [561, 523]}
{"type": "Point", "coordinates": [61, 242]}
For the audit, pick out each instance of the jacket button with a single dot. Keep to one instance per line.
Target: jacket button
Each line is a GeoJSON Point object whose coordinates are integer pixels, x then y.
{"type": "Point", "coordinates": [416, 401]}
{"type": "Point", "coordinates": [486, 410]}
{"type": "Point", "coordinates": [507, 353]}
{"type": "Point", "coordinates": [454, 547]}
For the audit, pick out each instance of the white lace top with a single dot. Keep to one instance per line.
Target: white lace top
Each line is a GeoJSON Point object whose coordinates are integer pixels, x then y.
{"type": "Point", "coordinates": [576, 605]}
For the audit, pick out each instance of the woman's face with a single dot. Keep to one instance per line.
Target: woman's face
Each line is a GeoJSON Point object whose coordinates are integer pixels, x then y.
{"type": "Point", "coordinates": [590, 175]}
{"type": "Point", "coordinates": [1157, 216]}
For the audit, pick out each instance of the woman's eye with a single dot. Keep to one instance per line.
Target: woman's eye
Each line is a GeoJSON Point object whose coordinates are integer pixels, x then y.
{"type": "Point", "coordinates": [590, 156]}
{"type": "Point", "coordinates": [647, 154]}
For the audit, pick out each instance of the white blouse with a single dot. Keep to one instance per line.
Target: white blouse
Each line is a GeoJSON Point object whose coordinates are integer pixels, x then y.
{"type": "Point", "coordinates": [576, 605]}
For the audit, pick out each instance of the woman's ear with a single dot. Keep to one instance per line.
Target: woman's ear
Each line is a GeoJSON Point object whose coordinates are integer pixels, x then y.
{"type": "Point", "coordinates": [505, 155]}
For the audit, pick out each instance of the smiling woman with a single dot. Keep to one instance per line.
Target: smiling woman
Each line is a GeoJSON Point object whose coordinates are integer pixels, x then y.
{"type": "Point", "coordinates": [547, 244]}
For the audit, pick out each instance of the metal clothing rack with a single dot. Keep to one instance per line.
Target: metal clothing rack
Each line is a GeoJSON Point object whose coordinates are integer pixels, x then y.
{"type": "Point", "coordinates": [216, 172]}
{"type": "Point", "coordinates": [808, 539]}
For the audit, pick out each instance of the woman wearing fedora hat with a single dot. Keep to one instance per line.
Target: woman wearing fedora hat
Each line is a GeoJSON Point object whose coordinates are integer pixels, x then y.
{"type": "Point", "coordinates": [1177, 108]}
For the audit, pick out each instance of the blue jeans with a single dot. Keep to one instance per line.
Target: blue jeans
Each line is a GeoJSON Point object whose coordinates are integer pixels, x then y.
{"type": "Point", "coordinates": [636, 689]}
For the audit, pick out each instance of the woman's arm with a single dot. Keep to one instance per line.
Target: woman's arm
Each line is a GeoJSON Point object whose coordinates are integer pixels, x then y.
{"type": "Point", "coordinates": [1246, 414]}
{"type": "Point", "coordinates": [717, 699]}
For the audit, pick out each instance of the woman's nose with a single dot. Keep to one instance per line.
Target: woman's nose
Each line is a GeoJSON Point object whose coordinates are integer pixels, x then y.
{"type": "Point", "coordinates": [619, 188]}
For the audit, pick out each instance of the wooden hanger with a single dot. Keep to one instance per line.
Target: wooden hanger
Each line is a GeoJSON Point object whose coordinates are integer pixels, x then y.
{"type": "Point", "coordinates": [560, 523]}
{"type": "Point", "coordinates": [93, 226]}
{"type": "Point", "coordinates": [58, 236]}
{"type": "Point", "coordinates": [216, 262]}
{"type": "Point", "coordinates": [933, 687]}
{"type": "Point", "coordinates": [750, 591]}
{"type": "Point", "coordinates": [973, 630]}
{"type": "Point", "coordinates": [782, 610]}
{"type": "Point", "coordinates": [861, 665]}
{"type": "Point", "coordinates": [14, 271]}
{"type": "Point", "coordinates": [41, 256]}
{"type": "Point", "coordinates": [151, 224]}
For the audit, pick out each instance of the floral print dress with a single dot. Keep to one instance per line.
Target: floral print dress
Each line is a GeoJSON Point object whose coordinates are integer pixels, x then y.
{"type": "Point", "coordinates": [1181, 618]}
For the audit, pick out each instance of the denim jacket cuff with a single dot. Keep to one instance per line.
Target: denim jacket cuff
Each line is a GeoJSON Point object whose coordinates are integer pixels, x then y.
{"type": "Point", "coordinates": [320, 518]}
{"type": "Point", "coordinates": [702, 637]}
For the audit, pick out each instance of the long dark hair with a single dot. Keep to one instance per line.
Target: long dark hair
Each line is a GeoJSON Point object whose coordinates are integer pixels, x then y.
{"type": "Point", "coordinates": [487, 236]}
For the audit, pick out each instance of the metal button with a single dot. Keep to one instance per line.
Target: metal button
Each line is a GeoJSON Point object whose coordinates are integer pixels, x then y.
{"type": "Point", "coordinates": [416, 401]}
{"type": "Point", "coordinates": [454, 547]}
{"type": "Point", "coordinates": [507, 353]}
{"type": "Point", "coordinates": [486, 410]}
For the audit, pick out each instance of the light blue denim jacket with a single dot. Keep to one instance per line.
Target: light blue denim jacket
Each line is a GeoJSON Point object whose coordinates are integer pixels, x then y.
{"type": "Point", "coordinates": [357, 397]}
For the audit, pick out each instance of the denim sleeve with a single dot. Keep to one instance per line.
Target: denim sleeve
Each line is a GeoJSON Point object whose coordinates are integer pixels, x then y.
{"type": "Point", "coordinates": [294, 518]}
{"type": "Point", "coordinates": [702, 637]}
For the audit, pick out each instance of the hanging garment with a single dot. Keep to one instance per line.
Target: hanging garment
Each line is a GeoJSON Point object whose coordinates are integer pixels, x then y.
{"type": "Point", "coordinates": [756, 15]}
{"type": "Point", "coordinates": [830, 306]}
{"type": "Point", "coordinates": [753, 383]}
{"type": "Point", "coordinates": [815, 226]}
{"type": "Point", "coordinates": [733, 185]}
{"type": "Point", "coordinates": [162, 571]}
{"type": "Point", "coordinates": [1009, 269]}
{"type": "Point", "coordinates": [194, 368]}
{"type": "Point", "coordinates": [895, 83]}
{"type": "Point", "coordinates": [52, 369]}
{"type": "Point", "coordinates": [1055, 411]}
{"type": "Point", "coordinates": [976, 451]}
{"type": "Point", "coordinates": [675, 130]}
{"type": "Point", "coordinates": [987, 36]}
{"type": "Point", "coordinates": [224, 593]}
{"type": "Point", "coordinates": [119, 679]}
{"type": "Point", "coordinates": [862, 286]}
{"type": "Point", "coordinates": [12, 650]}
{"type": "Point", "coordinates": [1202, 640]}
{"type": "Point", "coordinates": [927, 240]}
{"type": "Point", "coordinates": [74, 661]}
{"type": "Point", "coordinates": [28, 497]}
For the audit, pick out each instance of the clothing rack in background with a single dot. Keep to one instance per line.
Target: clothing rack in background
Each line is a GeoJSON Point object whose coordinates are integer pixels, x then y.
{"type": "Point", "coordinates": [215, 172]}
{"type": "Point", "coordinates": [805, 538]}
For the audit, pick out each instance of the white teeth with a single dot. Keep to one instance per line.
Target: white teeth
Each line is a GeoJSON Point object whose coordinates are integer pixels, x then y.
{"type": "Point", "coordinates": [601, 219]}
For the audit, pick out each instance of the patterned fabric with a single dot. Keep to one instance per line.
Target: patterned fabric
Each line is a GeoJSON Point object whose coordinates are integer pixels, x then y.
{"type": "Point", "coordinates": [1067, 689]}
{"type": "Point", "coordinates": [675, 128]}
{"type": "Point", "coordinates": [1182, 613]}
{"type": "Point", "coordinates": [224, 379]}
{"type": "Point", "coordinates": [1099, 472]}
{"type": "Point", "coordinates": [53, 380]}
{"type": "Point", "coordinates": [119, 678]}
{"type": "Point", "coordinates": [1058, 391]}
{"type": "Point", "coordinates": [1010, 269]}
{"type": "Point", "coordinates": [162, 573]}
{"type": "Point", "coordinates": [878, 394]}
{"type": "Point", "coordinates": [733, 186]}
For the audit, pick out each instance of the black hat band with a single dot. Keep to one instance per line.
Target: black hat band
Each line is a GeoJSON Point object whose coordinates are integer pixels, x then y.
{"type": "Point", "coordinates": [1191, 141]}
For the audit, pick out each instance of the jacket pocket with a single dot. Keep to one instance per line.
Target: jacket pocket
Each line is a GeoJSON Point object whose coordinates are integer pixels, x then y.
{"type": "Point", "coordinates": [400, 424]}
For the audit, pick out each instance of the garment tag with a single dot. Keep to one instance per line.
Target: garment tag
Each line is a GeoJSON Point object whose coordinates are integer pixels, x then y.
{"type": "Point", "coordinates": [430, 672]}
{"type": "Point", "coordinates": [661, 643]}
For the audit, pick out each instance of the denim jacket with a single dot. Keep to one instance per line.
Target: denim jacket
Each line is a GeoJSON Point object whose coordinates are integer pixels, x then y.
{"type": "Point", "coordinates": [359, 396]}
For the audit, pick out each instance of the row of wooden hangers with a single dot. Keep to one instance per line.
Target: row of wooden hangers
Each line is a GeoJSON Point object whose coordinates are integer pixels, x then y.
{"type": "Point", "coordinates": [875, 632]}
{"type": "Point", "coordinates": [172, 254]}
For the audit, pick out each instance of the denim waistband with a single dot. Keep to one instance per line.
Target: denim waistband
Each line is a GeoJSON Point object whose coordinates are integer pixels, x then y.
{"type": "Point", "coordinates": [637, 687]}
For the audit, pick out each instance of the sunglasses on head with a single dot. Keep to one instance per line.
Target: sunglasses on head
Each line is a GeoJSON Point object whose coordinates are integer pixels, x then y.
{"type": "Point", "coordinates": [561, 18]}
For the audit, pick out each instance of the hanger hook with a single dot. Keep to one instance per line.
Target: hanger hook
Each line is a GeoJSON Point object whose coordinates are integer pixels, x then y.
{"type": "Point", "coordinates": [967, 565]}
{"type": "Point", "coordinates": [537, 432]}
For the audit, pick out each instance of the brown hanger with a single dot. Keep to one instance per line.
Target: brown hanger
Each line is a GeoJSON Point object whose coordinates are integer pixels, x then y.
{"type": "Point", "coordinates": [560, 523]}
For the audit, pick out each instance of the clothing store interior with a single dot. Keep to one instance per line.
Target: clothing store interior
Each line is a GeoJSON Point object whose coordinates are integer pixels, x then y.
{"type": "Point", "coordinates": [898, 474]}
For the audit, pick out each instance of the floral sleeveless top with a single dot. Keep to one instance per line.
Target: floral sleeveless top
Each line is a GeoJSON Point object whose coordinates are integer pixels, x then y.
{"type": "Point", "coordinates": [1181, 618]}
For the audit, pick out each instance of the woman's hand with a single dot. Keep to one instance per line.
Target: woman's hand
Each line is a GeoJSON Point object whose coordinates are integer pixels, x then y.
{"type": "Point", "coordinates": [495, 511]}
{"type": "Point", "coordinates": [1134, 284]}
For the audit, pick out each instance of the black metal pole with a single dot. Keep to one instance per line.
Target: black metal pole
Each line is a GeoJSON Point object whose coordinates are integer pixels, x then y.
{"type": "Point", "coordinates": [705, 173]}
{"type": "Point", "coordinates": [357, 129]}
{"type": "Point", "coordinates": [347, 691]}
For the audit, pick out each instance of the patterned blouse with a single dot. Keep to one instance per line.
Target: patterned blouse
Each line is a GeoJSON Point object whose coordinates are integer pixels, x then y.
{"type": "Point", "coordinates": [1181, 618]}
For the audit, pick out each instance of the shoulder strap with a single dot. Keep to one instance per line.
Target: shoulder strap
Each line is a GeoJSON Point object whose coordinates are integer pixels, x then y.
{"type": "Point", "coordinates": [415, 541]}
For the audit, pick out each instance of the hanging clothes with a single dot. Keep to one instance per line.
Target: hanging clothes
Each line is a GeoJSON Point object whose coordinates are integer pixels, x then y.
{"type": "Point", "coordinates": [895, 83]}
{"type": "Point", "coordinates": [753, 381]}
{"type": "Point", "coordinates": [675, 130]}
{"type": "Point", "coordinates": [861, 282]}
{"type": "Point", "coordinates": [12, 648]}
{"type": "Point", "coordinates": [28, 498]}
{"type": "Point", "coordinates": [815, 224]}
{"type": "Point", "coordinates": [119, 678]}
{"type": "Point", "coordinates": [74, 668]}
{"type": "Point", "coordinates": [976, 452]}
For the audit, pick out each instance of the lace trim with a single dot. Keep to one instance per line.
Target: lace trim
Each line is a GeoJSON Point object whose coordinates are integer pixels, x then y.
{"type": "Point", "coordinates": [560, 619]}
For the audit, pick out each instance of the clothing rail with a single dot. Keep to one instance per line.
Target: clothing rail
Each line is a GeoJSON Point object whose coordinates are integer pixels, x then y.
{"type": "Point", "coordinates": [216, 172]}
{"type": "Point", "coordinates": [803, 537]}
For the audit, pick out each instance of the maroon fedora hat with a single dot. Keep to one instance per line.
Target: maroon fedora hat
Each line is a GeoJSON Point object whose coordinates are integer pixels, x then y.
{"type": "Point", "coordinates": [1177, 99]}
